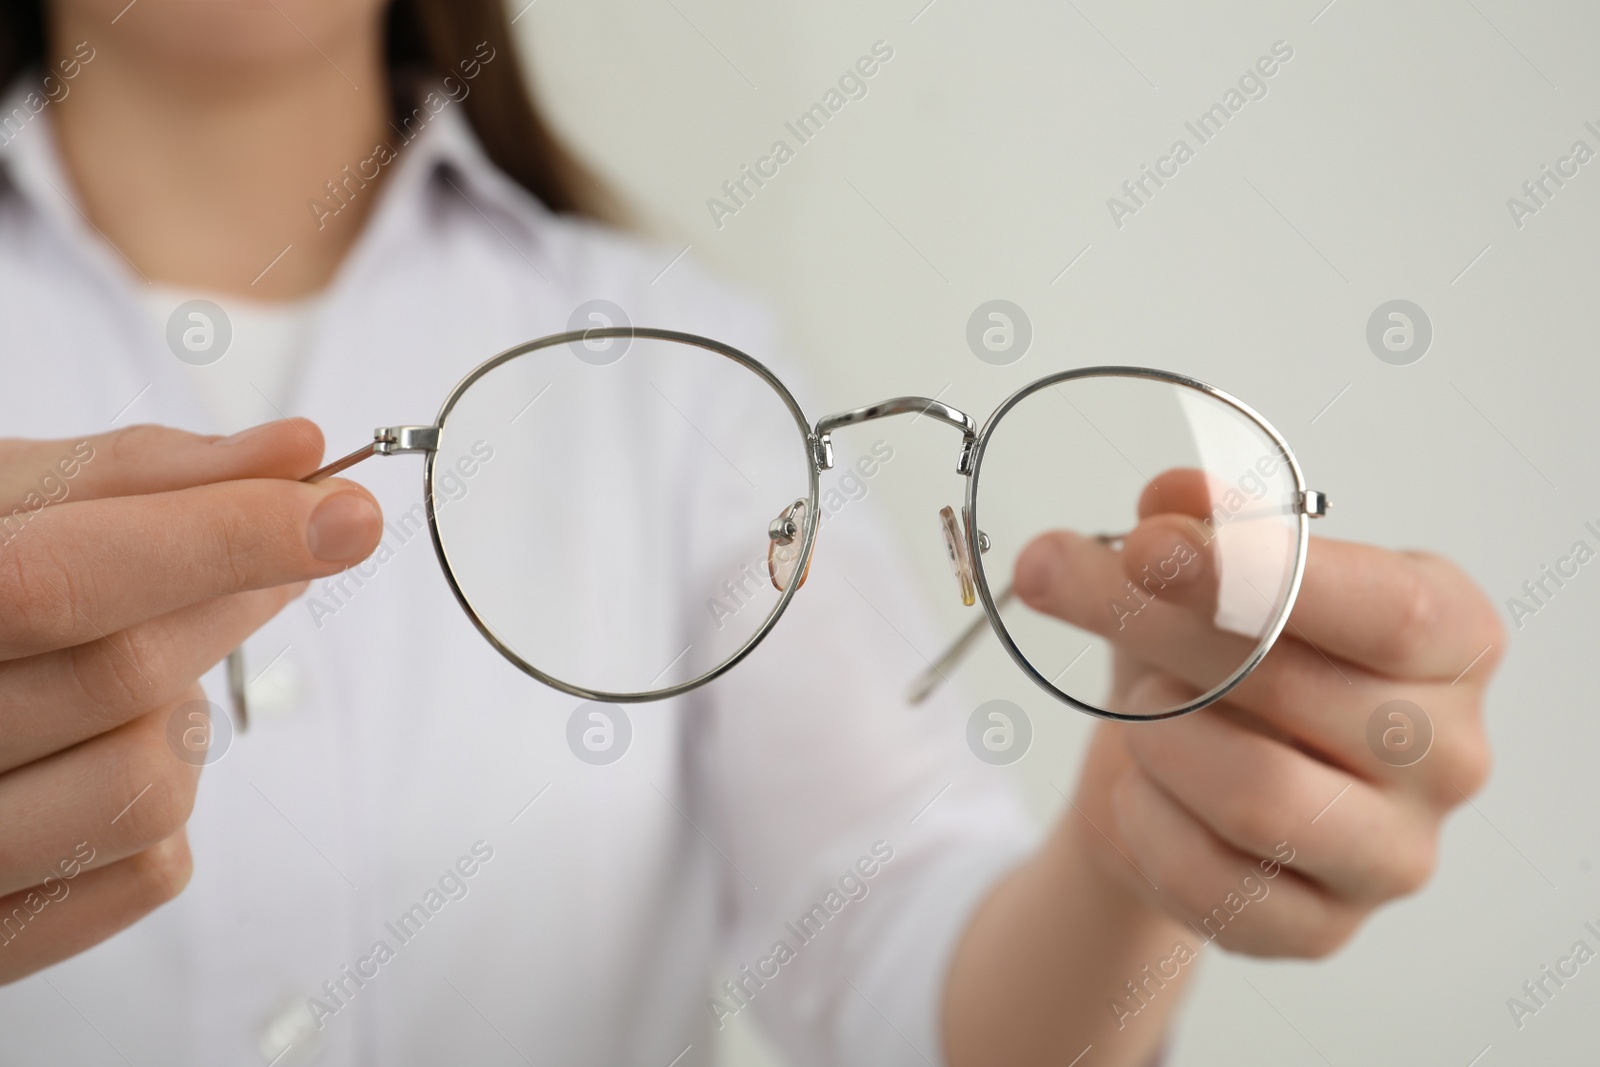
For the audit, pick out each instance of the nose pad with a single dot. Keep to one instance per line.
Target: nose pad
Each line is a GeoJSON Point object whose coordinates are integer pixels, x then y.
{"type": "Point", "coordinates": [783, 548]}
{"type": "Point", "coordinates": [955, 544]}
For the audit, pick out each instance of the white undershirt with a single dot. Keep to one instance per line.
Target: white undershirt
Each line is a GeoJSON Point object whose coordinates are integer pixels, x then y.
{"type": "Point", "coordinates": [255, 378]}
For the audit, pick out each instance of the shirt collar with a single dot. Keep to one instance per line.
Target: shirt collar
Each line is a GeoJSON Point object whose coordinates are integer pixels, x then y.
{"type": "Point", "coordinates": [28, 160]}
{"type": "Point", "coordinates": [23, 106]}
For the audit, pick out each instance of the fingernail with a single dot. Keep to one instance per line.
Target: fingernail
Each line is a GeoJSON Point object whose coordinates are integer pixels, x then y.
{"type": "Point", "coordinates": [244, 435]}
{"type": "Point", "coordinates": [343, 528]}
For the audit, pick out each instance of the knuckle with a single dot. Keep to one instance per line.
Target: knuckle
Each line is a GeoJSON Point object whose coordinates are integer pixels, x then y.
{"type": "Point", "coordinates": [1485, 621]}
{"type": "Point", "coordinates": [1258, 819]}
{"type": "Point", "coordinates": [1285, 678]}
{"type": "Point", "coordinates": [118, 680]}
{"type": "Point", "coordinates": [36, 591]}
{"type": "Point", "coordinates": [1494, 630]}
{"type": "Point", "coordinates": [1476, 761]}
{"type": "Point", "coordinates": [1259, 823]}
{"type": "Point", "coordinates": [160, 786]}
{"type": "Point", "coordinates": [1318, 941]}
{"type": "Point", "coordinates": [133, 444]}
{"type": "Point", "coordinates": [1315, 930]}
{"type": "Point", "coordinates": [236, 542]}
{"type": "Point", "coordinates": [1416, 866]}
{"type": "Point", "coordinates": [1465, 762]}
{"type": "Point", "coordinates": [1416, 621]}
{"type": "Point", "coordinates": [1443, 600]}
{"type": "Point", "coordinates": [164, 869]}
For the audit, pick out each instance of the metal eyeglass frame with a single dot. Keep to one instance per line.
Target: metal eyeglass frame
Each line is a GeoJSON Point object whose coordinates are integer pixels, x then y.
{"type": "Point", "coordinates": [818, 443]}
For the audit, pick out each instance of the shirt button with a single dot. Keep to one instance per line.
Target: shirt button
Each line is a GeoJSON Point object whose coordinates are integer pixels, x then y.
{"type": "Point", "coordinates": [290, 1035]}
{"type": "Point", "coordinates": [277, 690]}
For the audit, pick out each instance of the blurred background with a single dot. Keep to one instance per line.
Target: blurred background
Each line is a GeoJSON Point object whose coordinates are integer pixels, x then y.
{"type": "Point", "coordinates": [1377, 163]}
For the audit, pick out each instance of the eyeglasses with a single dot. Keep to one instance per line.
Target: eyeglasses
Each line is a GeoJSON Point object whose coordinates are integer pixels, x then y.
{"type": "Point", "coordinates": [625, 513]}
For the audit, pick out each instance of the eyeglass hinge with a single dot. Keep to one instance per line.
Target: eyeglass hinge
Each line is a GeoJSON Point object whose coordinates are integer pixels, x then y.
{"type": "Point", "coordinates": [387, 440]}
{"type": "Point", "coordinates": [1313, 503]}
{"type": "Point", "coordinates": [969, 448]}
{"type": "Point", "coordinates": [822, 451]}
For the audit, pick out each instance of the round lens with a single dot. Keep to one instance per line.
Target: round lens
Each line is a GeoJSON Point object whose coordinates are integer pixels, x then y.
{"type": "Point", "coordinates": [609, 521]}
{"type": "Point", "coordinates": [1151, 533]}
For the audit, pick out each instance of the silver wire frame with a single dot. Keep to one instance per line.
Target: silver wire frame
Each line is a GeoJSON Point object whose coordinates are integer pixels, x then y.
{"type": "Point", "coordinates": [817, 442]}
{"type": "Point", "coordinates": [808, 533]}
{"type": "Point", "coordinates": [1308, 504]}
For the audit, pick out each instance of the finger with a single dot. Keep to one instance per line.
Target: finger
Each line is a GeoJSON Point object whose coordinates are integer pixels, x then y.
{"type": "Point", "coordinates": [1256, 793]}
{"type": "Point", "coordinates": [122, 792]}
{"type": "Point", "coordinates": [1081, 581]}
{"type": "Point", "coordinates": [1404, 614]}
{"type": "Point", "coordinates": [1322, 702]}
{"type": "Point", "coordinates": [91, 568]}
{"type": "Point", "coordinates": [1182, 491]}
{"type": "Point", "coordinates": [1241, 902]}
{"type": "Point", "coordinates": [64, 915]}
{"type": "Point", "coordinates": [148, 459]}
{"type": "Point", "coordinates": [51, 701]}
{"type": "Point", "coordinates": [1425, 739]}
{"type": "Point", "coordinates": [1174, 558]}
{"type": "Point", "coordinates": [1432, 745]}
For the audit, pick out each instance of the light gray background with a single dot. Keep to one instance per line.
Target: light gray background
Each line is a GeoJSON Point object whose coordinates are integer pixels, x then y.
{"type": "Point", "coordinates": [1378, 167]}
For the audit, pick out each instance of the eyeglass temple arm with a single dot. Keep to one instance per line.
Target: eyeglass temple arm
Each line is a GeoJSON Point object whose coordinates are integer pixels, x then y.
{"type": "Point", "coordinates": [822, 437]}
{"type": "Point", "coordinates": [343, 463]}
{"type": "Point", "coordinates": [1312, 503]}
{"type": "Point", "coordinates": [923, 685]}
{"type": "Point", "coordinates": [386, 441]}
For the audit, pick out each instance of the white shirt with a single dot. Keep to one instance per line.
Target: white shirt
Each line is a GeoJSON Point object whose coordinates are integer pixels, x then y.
{"type": "Point", "coordinates": [394, 745]}
{"type": "Point", "coordinates": [265, 355]}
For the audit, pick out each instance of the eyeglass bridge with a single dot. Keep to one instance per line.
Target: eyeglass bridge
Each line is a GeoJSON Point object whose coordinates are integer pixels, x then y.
{"type": "Point", "coordinates": [822, 439]}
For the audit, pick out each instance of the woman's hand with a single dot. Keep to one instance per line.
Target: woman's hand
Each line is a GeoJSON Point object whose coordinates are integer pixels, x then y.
{"type": "Point", "coordinates": [1285, 770]}
{"type": "Point", "coordinates": [1268, 823]}
{"type": "Point", "coordinates": [130, 563]}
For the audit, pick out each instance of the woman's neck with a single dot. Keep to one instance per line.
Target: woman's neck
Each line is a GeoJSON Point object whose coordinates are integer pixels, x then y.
{"type": "Point", "coordinates": [201, 174]}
